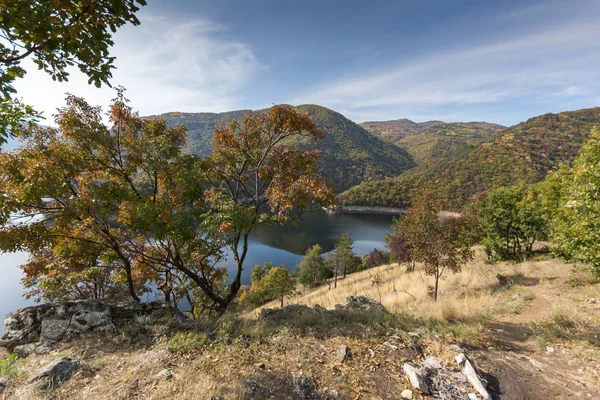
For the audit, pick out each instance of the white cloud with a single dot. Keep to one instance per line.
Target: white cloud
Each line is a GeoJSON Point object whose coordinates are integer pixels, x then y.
{"type": "Point", "coordinates": [551, 60]}
{"type": "Point", "coordinates": [166, 64]}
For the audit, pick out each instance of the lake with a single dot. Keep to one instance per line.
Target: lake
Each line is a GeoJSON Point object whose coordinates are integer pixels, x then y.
{"type": "Point", "coordinates": [280, 245]}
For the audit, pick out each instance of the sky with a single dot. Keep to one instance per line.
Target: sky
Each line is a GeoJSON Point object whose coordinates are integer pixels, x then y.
{"type": "Point", "coordinates": [472, 60]}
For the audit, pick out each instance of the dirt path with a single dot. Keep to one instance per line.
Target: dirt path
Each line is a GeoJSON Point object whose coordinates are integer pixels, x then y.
{"type": "Point", "coordinates": [519, 369]}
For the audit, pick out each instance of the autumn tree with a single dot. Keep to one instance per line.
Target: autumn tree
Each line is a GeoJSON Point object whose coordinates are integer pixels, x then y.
{"type": "Point", "coordinates": [56, 34]}
{"type": "Point", "coordinates": [375, 258]}
{"type": "Point", "coordinates": [400, 248]}
{"type": "Point", "coordinates": [255, 177]}
{"type": "Point", "coordinates": [342, 259]}
{"type": "Point", "coordinates": [435, 242]}
{"type": "Point", "coordinates": [313, 269]}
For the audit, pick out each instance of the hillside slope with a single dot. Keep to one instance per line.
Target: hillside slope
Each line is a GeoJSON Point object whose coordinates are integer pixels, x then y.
{"type": "Point", "coordinates": [522, 153]}
{"type": "Point", "coordinates": [429, 142]}
{"type": "Point", "coordinates": [350, 154]}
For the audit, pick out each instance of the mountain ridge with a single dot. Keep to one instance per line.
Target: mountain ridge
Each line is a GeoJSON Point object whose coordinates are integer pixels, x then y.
{"type": "Point", "coordinates": [350, 154]}
{"type": "Point", "coordinates": [522, 153]}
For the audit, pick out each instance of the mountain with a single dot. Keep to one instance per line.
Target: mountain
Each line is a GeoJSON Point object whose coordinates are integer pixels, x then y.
{"type": "Point", "coordinates": [350, 154]}
{"type": "Point", "coordinates": [438, 140]}
{"type": "Point", "coordinates": [392, 131]}
{"type": "Point", "coordinates": [522, 153]}
{"type": "Point", "coordinates": [430, 141]}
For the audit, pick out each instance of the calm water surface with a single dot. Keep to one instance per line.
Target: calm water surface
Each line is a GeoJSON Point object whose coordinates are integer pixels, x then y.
{"type": "Point", "coordinates": [279, 245]}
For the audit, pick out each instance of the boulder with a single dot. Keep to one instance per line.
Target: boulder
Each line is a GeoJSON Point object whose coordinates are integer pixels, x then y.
{"type": "Point", "coordinates": [361, 303]}
{"type": "Point", "coordinates": [52, 374]}
{"type": "Point", "coordinates": [406, 394]}
{"type": "Point", "coordinates": [416, 378]}
{"type": "Point", "coordinates": [285, 313]}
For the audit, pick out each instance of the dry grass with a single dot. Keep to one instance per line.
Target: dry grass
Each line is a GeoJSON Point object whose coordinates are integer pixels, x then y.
{"type": "Point", "coordinates": [470, 294]}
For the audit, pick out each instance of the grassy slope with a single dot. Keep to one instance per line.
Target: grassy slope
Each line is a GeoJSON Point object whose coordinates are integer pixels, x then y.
{"type": "Point", "coordinates": [350, 154]}
{"type": "Point", "coordinates": [522, 153]}
{"type": "Point", "coordinates": [508, 329]}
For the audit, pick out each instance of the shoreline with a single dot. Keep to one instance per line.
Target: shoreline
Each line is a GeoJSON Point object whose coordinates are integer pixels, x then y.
{"type": "Point", "coordinates": [366, 209]}
{"type": "Point", "coordinates": [382, 210]}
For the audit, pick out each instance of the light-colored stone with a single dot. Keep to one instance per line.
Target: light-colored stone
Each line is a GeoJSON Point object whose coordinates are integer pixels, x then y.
{"type": "Point", "coordinates": [3, 383]}
{"type": "Point", "coordinates": [473, 396]}
{"type": "Point", "coordinates": [550, 349]}
{"type": "Point", "coordinates": [432, 362]}
{"type": "Point", "coordinates": [416, 378]}
{"type": "Point", "coordinates": [406, 394]}
{"type": "Point", "coordinates": [52, 374]}
{"type": "Point", "coordinates": [334, 394]}
{"type": "Point", "coordinates": [164, 374]}
{"type": "Point", "coordinates": [342, 353]}
{"type": "Point", "coordinates": [468, 369]}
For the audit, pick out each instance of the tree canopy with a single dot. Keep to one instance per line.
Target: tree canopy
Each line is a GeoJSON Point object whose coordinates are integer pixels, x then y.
{"type": "Point", "coordinates": [57, 35]}
{"type": "Point", "coordinates": [126, 200]}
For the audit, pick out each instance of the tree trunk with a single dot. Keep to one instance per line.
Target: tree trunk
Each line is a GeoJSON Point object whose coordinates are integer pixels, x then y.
{"type": "Point", "coordinates": [335, 278]}
{"type": "Point", "coordinates": [435, 294]}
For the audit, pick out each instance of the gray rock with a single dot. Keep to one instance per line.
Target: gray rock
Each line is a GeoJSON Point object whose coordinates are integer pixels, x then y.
{"type": "Point", "coordinates": [342, 353]}
{"type": "Point", "coordinates": [550, 349]}
{"type": "Point", "coordinates": [3, 383]}
{"type": "Point", "coordinates": [303, 387]}
{"type": "Point", "coordinates": [334, 394]}
{"type": "Point", "coordinates": [163, 375]}
{"type": "Point", "coordinates": [431, 362]}
{"type": "Point", "coordinates": [53, 323]}
{"type": "Point", "coordinates": [469, 370]}
{"type": "Point", "coordinates": [406, 394]}
{"type": "Point", "coordinates": [362, 303]}
{"type": "Point", "coordinates": [416, 378]}
{"type": "Point", "coordinates": [52, 374]}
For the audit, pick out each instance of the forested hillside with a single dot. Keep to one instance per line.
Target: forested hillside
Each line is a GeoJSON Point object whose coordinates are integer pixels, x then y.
{"type": "Point", "coordinates": [430, 141]}
{"type": "Point", "coordinates": [350, 154]}
{"type": "Point", "coordinates": [522, 153]}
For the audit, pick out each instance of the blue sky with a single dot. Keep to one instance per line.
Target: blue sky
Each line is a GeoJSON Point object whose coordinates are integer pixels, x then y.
{"type": "Point", "coordinates": [499, 61]}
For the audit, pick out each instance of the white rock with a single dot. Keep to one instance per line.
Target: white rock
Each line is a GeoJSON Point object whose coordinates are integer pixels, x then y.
{"type": "Point", "coordinates": [473, 396]}
{"type": "Point", "coordinates": [416, 378]}
{"type": "Point", "coordinates": [550, 349]}
{"type": "Point", "coordinates": [406, 394]}
{"type": "Point", "coordinates": [472, 376]}
{"type": "Point", "coordinates": [165, 374]}
{"type": "Point", "coordinates": [432, 362]}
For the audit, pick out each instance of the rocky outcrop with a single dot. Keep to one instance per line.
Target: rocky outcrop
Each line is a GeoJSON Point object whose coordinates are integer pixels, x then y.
{"type": "Point", "coordinates": [353, 303]}
{"type": "Point", "coordinates": [362, 303]}
{"type": "Point", "coordinates": [38, 329]}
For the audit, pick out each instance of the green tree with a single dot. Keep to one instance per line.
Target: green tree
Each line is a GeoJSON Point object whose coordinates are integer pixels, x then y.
{"type": "Point", "coordinates": [57, 34]}
{"type": "Point", "coordinates": [313, 269]}
{"type": "Point", "coordinates": [270, 283]}
{"type": "Point", "coordinates": [342, 259]}
{"type": "Point", "coordinates": [512, 219]}
{"type": "Point", "coordinates": [576, 226]}
{"type": "Point", "coordinates": [435, 242]}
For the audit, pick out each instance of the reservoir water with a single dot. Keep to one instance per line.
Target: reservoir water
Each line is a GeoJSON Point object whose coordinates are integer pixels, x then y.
{"type": "Point", "coordinates": [280, 245]}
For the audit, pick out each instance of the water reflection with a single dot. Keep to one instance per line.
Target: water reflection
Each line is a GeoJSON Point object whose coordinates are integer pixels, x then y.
{"type": "Point", "coordinates": [280, 245]}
